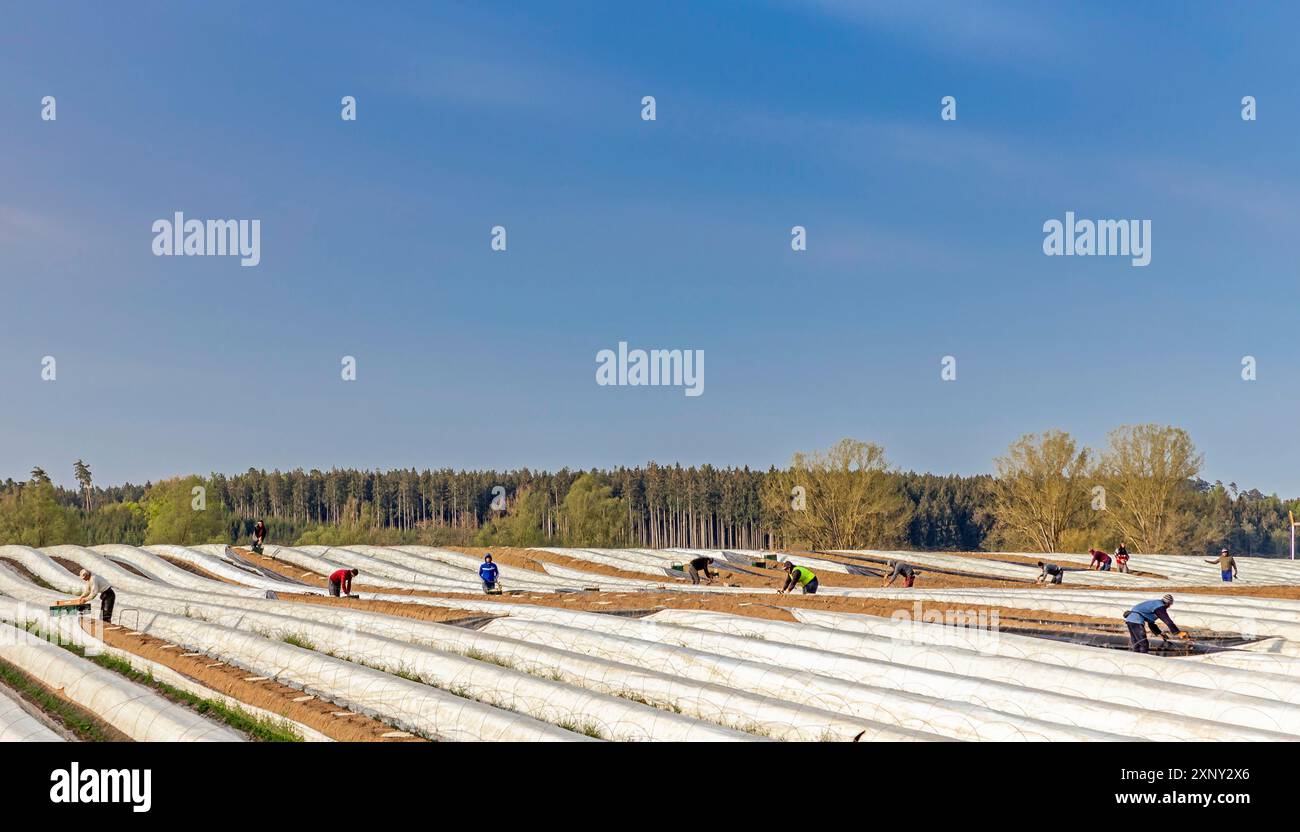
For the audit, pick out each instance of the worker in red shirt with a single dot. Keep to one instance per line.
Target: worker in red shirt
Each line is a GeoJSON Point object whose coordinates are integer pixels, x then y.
{"type": "Point", "coordinates": [1100, 560]}
{"type": "Point", "coordinates": [341, 579]}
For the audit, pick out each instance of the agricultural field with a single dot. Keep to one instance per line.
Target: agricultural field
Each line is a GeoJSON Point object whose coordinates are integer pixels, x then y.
{"type": "Point", "coordinates": [214, 643]}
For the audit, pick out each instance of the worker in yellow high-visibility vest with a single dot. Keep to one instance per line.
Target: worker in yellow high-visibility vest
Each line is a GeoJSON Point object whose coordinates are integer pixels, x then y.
{"type": "Point", "coordinates": [800, 576]}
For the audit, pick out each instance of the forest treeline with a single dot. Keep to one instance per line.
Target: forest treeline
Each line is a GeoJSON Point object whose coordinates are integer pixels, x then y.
{"type": "Point", "coordinates": [1048, 494]}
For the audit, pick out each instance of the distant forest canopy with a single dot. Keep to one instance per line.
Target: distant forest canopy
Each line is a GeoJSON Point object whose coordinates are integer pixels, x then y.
{"type": "Point", "coordinates": [1048, 494]}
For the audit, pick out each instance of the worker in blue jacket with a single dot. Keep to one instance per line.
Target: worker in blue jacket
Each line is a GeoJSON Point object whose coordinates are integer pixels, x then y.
{"type": "Point", "coordinates": [1146, 614]}
{"type": "Point", "coordinates": [489, 573]}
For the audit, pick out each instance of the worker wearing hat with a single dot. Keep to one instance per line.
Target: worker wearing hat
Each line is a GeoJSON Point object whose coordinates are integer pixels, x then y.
{"type": "Point", "coordinates": [1227, 565]}
{"type": "Point", "coordinates": [799, 576]}
{"type": "Point", "coordinates": [1145, 615]}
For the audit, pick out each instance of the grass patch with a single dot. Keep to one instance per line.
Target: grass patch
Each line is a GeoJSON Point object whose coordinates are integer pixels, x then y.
{"type": "Point", "coordinates": [408, 673]}
{"type": "Point", "coordinates": [480, 656]}
{"type": "Point", "coordinates": [590, 729]}
{"type": "Point", "coordinates": [299, 640]}
{"type": "Point", "coordinates": [81, 723]}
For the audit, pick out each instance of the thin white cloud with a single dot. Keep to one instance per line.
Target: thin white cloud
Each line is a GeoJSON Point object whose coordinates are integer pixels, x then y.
{"type": "Point", "coordinates": [986, 30]}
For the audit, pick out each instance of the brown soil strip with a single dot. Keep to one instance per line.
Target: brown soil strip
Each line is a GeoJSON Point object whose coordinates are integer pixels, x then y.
{"type": "Point", "coordinates": [1032, 560]}
{"type": "Point", "coordinates": [755, 606]}
{"type": "Point", "coordinates": [69, 565]}
{"type": "Point", "coordinates": [129, 568]}
{"type": "Point", "coordinates": [282, 567]}
{"type": "Point", "coordinates": [421, 612]}
{"type": "Point", "coordinates": [773, 576]}
{"type": "Point", "coordinates": [25, 572]}
{"type": "Point", "coordinates": [268, 695]}
{"type": "Point", "coordinates": [1286, 592]}
{"type": "Point", "coordinates": [195, 570]}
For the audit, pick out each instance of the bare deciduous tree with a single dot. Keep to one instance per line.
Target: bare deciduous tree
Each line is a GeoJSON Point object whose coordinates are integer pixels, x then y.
{"type": "Point", "coordinates": [1148, 473]}
{"type": "Point", "coordinates": [845, 496]}
{"type": "Point", "coordinates": [1041, 490]}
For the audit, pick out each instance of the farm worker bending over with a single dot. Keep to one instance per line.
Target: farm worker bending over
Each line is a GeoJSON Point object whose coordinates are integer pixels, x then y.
{"type": "Point", "coordinates": [701, 564]}
{"type": "Point", "coordinates": [1121, 559]}
{"type": "Point", "coordinates": [341, 579]}
{"type": "Point", "coordinates": [489, 573]}
{"type": "Point", "coordinates": [799, 576]}
{"type": "Point", "coordinates": [1227, 565]}
{"type": "Point", "coordinates": [899, 568]}
{"type": "Point", "coordinates": [97, 587]}
{"type": "Point", "coordinates": [1146, 614]}
{"type": "Point", "coordinates": [1051, 571]}
{"type": "Point", "coordinates": [1100, 560]}
{"type": "Point", "coordinates": [259, 532]}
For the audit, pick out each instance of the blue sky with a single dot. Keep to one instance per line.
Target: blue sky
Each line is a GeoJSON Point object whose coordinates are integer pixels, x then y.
{"type": "Point", "coordinates": [925, 237]}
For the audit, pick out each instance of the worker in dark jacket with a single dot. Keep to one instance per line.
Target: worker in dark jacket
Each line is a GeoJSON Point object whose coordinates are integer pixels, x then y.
{"type": "Point", "coordinates": [1050, 572]}
{"type": "Point", "coordinates": [698, 565]}
{"type": "Point", "coordinates": [341, 580]}
{"type": "Point", "coordinates": [489, 573]}
{"type": "Point", "coordinates": [1145, 615]}
{"type": "Point", "coordinates": [898, 569]}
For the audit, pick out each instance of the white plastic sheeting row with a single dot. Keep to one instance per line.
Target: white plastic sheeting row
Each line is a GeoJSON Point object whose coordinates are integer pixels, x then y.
{"type": "Point", "coordinates": [133, 709]}
{"type": "Point", "coordinates": [832, 676]}
{"type": "Point", "coordinates": [1050, 651]}
{"type": "Point", "coordinates": [473, 677]}
{"type": "Point", "coordinates": [1256, 617]}
{"type": "Point", "coordinates": [731, 707]}
{"type": "Point", "coordinates": [545, 699]}
{"type": "Point", "coordinates": [1087, 700]}
{"type": "Point", "coordinates": [780, 672]}
{"type": "Point", "coordinates": [706, 703]}
{"type": "Point", "coordinates": [412, 705]}
{"type": "Point", "coordinates": [1153, 708]}
{"type": "Point", "coordinates": [1168, 570]}
{"type": "Point", "coordinates": [22, 601]}
{"type": "Point", "coordinates": [16, 725]}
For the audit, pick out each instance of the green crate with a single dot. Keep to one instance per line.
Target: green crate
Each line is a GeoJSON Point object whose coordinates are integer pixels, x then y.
{"type": "Point", "coordinates": [70, 609]}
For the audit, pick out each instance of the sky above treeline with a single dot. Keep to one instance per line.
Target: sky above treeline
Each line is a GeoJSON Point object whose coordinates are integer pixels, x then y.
{"type": "Point", "coordinates": [924, 236]}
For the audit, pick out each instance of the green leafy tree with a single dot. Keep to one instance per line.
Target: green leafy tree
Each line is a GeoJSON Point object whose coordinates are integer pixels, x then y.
{"type": "Point", "coordinates": [591, 515]}
{"type": "Point", "coordinates": [33, 516]}
{"type": "Point", "coordinates": [523, 524]}
{"type": "Point", "coordinates": [177, 514]}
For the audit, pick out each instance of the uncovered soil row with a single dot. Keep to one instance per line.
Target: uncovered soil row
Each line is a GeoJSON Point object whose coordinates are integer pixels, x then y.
{"type": "Point", "coordinates": [195, 570]}
{"type": "Point", "coordinates": [756, 606]}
